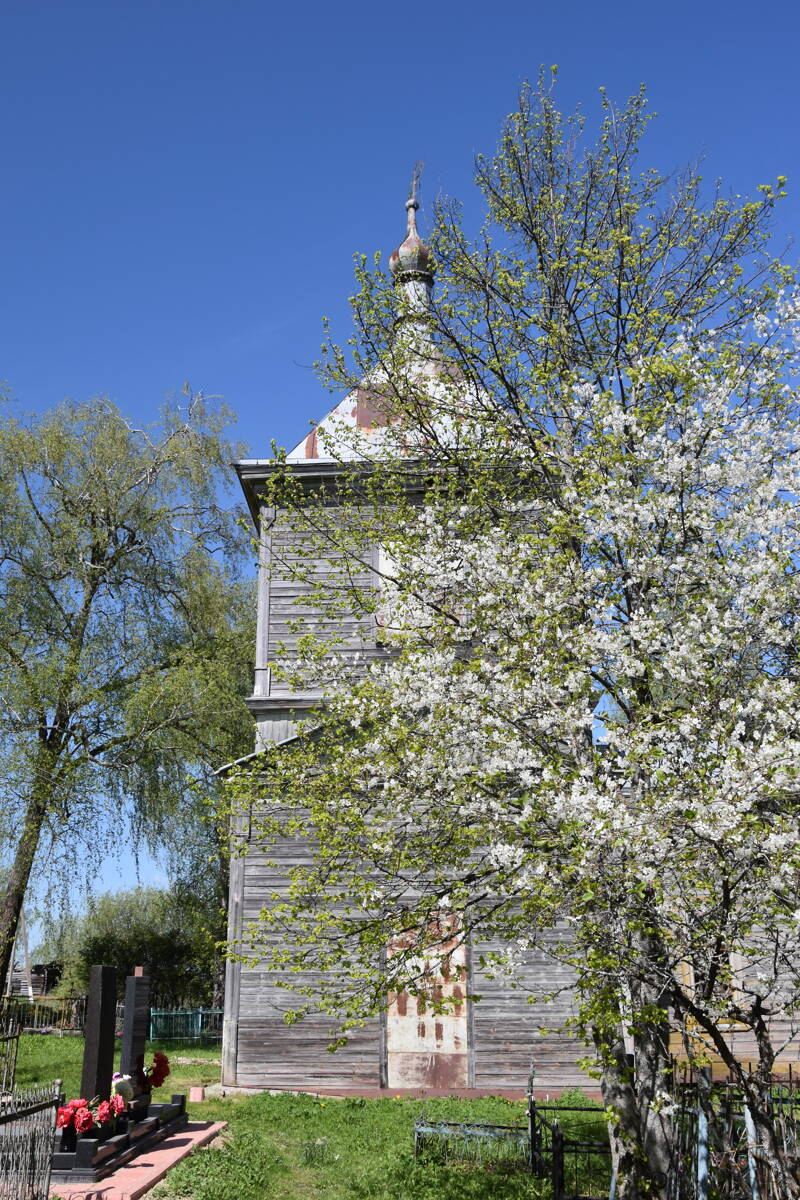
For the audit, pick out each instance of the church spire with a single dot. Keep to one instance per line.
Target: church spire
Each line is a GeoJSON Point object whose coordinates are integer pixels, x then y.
{"type": "Point", "coordinates": [412, 263]}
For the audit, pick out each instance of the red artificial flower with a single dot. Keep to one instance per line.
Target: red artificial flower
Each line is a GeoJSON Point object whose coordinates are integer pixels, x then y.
{"type": "Point", "coordinates": [64, 1118]}
{"type": "Point", "coordinates": [73, 1104]}
{"type": "Point", "coordinates": [84, 1120]}
{"type": "Point", "coordinates": [154, 1076]}
{"type": "Point", "coordinates": [104, 1113]}
{"type": "Point", "coordinates": [117, 1105]}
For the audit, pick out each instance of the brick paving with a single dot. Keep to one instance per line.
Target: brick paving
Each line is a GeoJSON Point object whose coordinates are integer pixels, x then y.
{"type": "Point", "coordinates": [139, 1176]}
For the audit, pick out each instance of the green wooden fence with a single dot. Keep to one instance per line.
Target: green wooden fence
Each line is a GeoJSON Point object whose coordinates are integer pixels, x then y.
{"type": "Point", "coordinates": [185, 1024]}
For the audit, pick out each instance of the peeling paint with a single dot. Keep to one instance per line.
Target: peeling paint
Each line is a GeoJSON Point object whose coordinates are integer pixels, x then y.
{"type": "Point", "coordinates": [431, 1053]}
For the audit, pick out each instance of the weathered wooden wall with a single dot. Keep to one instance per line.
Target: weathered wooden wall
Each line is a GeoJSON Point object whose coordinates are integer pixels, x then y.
{"type": "Point", "coordinates": [295, 567]}
{"type": "Point", "coordinates": [515, 1028]}
{"type": "Point", "coordinates": [487, 1045]}
{"type": "Point", "coordinates": [491, 1043]}
{"type": "Point", "coordinates": [270, 1052]}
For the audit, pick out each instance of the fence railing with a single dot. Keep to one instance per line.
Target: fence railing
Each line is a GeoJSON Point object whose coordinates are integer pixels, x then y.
{"type": "Point", "coordinates": [718, 1150]}
{"type": "Point", "coordinates": [571, 1151]}
{"type": "Point", "coordinates": [185, 1025]}
{"type": "Point", "coordinates": [9, 1046]}
{"type": "Point", "coordinates": [27, 1123]}
{"type": "Point", "coordinates": [569, 1145]}
{"type": "Point", "coordinates": [67, 1014]}
{"type": "Point", "coordinates": [485, 1144]}
{"type": "Point", "coordinates": [44, 1014]}
{"type": "Point", "coordinates": [716, 1147]}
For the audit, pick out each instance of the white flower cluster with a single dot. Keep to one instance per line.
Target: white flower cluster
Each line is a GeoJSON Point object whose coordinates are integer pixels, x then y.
{"type": "Point", "coordinates": [590, 689]}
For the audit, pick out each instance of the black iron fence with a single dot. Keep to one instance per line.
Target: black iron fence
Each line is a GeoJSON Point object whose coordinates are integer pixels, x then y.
{"type": "Point", "coordinates": [565, 1144]}
{"type": "Point", "coordinates": [720, 1150]}
{"type": "Point", "coordinates": [27, 1124]}
{"type": "Point", "coordinates": [569, 1145]}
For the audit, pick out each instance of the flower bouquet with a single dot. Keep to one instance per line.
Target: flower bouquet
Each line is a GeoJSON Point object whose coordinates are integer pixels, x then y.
{"type": "Point", "coordinates": [153, 1076]}
{"type": "Point", "coordinates": [96, 1118]}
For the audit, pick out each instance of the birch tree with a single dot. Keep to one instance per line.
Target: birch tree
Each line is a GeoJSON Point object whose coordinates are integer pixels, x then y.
{"type": "Point", "coordinates": [121, 639]}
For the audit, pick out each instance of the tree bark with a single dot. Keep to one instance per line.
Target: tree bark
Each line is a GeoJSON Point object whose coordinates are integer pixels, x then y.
{"type": "Point", "coordinates": [11, 907]}
{"type": "Point", "coordinates": [642, 1135]}
{"type": "Point", "coordinates": [633, 1134]}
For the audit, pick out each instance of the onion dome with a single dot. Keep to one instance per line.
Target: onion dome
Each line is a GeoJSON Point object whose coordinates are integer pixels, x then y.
{"type": "Point", "coordinates": [412, 259]}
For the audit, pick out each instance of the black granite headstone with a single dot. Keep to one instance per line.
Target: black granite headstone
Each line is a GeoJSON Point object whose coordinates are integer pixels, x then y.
{"type": "Point", "coordinates": [98, 1053]}
{"type": "Point", "coordinates": [136, 1024]}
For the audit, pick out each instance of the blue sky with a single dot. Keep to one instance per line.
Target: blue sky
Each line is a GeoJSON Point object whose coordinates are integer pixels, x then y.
{"type": "Point", "coordinates": [185, 183]}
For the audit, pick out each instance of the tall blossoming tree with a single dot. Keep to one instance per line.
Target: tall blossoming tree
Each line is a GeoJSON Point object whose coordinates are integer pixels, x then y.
{"type": "Point", "coordinates": [586, 709]}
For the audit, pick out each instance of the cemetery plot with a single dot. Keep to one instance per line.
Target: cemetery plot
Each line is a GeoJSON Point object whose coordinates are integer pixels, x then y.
{"type": "Point", "coordinates": [27, 1120]}
{"type": "Point", "coordinates": [87, 1155]}
{"type": "Point", "coordinates": [566, 1145]}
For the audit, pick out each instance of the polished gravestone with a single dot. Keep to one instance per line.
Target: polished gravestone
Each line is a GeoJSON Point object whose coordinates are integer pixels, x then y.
{"type": "Point", "coordinates": [95, 1157]}
{"type": "Point", "coordinates": [137, 1021]}
{"type": "Point", "coordinates": [98, 1153]}
{"type": "Point", "coordinates": [98, 1053]}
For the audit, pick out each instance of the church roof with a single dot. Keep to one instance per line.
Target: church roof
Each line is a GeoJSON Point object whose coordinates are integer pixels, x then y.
{"type": "Point", "coordinates": [412, 267]}
{"type": "Point", "coordinates": [359, 410]}
{"type": "Point", "coordinates": [363, 412]}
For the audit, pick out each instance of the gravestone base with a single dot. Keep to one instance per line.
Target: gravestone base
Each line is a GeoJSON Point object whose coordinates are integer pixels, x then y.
{"type": "Point", "coordinates": [94, 1158]}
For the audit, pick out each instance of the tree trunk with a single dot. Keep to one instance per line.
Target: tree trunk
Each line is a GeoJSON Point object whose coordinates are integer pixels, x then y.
{"type": "Point", "coordinates": [633, 1135]}
{"type": "Point", "coordinates": [18, 876]}
{"type": "Point", "coordinates": [642, 1134]}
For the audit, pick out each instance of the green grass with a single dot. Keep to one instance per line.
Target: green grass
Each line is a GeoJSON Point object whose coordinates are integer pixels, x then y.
{"type": "Point", "coordinates": [44, 1057]}
{"type": "Point", "coordinates": [288, 1147]}
{"type": "Point", "coordinates": [291, 1147]}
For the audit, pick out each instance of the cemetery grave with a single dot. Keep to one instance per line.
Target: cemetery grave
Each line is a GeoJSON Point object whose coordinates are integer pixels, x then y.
{"type": "Point", "coordinates": [83, 1157]}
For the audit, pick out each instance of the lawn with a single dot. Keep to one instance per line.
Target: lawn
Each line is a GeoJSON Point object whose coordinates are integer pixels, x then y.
{"type": "Point", "coordinates": [285, 1147]}
{"type": "Point", "coordinates": [288, 1147]}
{"type": "Point", "coordinates": [44, 1057]}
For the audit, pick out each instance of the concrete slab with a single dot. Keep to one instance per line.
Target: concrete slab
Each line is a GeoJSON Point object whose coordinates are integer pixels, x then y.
{"type": "Point", "coordinates": [139, 1176]}
{"type": "Point", "coordinates": [412, 1093]}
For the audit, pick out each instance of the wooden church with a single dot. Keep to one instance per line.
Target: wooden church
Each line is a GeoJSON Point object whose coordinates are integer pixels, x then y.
{"type": "Point", "coordinates": [486, 1045]}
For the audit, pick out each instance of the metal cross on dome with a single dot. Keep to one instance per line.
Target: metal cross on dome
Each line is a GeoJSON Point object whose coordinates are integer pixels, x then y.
{"type": "Point", "coordinates": [415, 178]}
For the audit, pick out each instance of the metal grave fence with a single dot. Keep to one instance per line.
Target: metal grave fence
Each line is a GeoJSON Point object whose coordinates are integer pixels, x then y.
{"type": "Point", "coordinates": [570, 1146]}
{"type": "Point", "coordinates": [507, 1145]}
{"type": "Point", "coordinates": [46, 1014]}
{"type": "Point", "coordinates": [67, 1014]}
{"type": "Point", "coordinates": [717, 1149]}
{"type": "Point", "coordinates": [9, 1045]}
{"type": "Point", "coordinates": [27, 1124]}
{"type": "Point", "coordinates": [566, 1144]}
